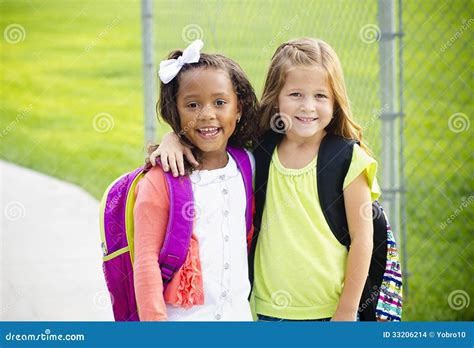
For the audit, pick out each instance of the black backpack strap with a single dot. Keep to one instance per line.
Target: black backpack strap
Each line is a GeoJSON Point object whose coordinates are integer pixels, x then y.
{"type": "Point", "coordinates": [334, 159]}
{"type": "Point", "coordinates": [262, 153]}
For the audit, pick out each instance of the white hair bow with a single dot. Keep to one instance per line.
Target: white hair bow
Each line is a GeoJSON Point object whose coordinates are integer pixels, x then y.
{"type": "Point", "coordinates": [171, 67]}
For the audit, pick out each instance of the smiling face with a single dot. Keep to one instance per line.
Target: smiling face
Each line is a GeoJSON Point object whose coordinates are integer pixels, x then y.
{"type": "Point", "coordinates": [208, 108]}
{"type": "Point", "coordinates": [306, 103]}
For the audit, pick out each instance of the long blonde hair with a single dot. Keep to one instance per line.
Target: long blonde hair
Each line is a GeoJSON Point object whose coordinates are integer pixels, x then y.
{"type": "Point", "coordinates": [310, 52]}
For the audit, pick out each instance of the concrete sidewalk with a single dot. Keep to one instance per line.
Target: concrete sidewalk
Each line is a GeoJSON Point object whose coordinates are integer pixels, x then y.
{"type": "Point", "coordinates": [51, 262]}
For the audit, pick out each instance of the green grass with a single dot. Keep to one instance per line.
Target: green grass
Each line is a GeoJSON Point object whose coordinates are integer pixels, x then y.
{"type": "Point", "coordinates": [84, 58]}
{"type": "Point", "coordinates": [439, 161]}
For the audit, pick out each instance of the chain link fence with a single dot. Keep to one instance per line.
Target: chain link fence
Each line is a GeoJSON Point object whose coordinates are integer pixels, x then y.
{"type": "Point", "coordinates": [416, 54]}
{"type": "Point", "coordinates": [426, 120]}
{"type": "Point", "coordinates": [438, 95]}
{"type": "Point", "coordinates": [249, 32]}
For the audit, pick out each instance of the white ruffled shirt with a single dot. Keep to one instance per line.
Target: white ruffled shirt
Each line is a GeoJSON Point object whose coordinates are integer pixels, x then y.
{"type": "Point", "coordinates": [220, 227]}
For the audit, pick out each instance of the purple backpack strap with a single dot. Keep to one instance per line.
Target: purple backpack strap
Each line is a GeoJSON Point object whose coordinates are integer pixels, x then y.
{"type": "Point", "coordinates": [180, 226]}
{"type": "Point", "coordinates": [243, 163]}
{"type": "Point", "coordinates": [182, 213]}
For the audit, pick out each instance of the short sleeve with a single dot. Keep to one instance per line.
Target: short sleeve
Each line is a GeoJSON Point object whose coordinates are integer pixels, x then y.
{"type": "Point", "coordinates": [361, 162]}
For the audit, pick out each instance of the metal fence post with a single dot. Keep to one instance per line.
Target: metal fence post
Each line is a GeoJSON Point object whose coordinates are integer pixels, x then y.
{"type": "Point", "coordinates": [392, 121]}
{"type": "Point", "coordinates": [388, 98]}
{"type": "Point", "coordinates": [149, 84]}
{"type": "Point", "coordinates": [403, 203]}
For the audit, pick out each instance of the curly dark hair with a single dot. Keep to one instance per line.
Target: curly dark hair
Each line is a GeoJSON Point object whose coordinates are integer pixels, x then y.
{"type": "Point", "coordinates": [246, 130]}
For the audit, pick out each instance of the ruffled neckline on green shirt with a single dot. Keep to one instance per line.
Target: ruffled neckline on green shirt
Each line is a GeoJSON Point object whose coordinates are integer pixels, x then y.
{"type": "Point", "coordinates": [311, 166]}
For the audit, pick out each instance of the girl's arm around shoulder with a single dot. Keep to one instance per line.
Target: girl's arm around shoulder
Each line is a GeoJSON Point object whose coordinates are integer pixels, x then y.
{"type": "Point", "coordinates": [172, 152]}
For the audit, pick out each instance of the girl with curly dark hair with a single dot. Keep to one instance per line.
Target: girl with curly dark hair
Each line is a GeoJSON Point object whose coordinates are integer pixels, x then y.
{"type": "Point", "coordinates": [211, 106]}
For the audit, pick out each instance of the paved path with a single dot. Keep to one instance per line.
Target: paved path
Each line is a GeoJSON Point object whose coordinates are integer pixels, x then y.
{"type": "Point", "coordinates": [50, 254]}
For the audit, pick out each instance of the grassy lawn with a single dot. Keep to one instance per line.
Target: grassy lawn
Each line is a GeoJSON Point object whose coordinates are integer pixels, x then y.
{"type": "Point", "coordinates": [72, 104]}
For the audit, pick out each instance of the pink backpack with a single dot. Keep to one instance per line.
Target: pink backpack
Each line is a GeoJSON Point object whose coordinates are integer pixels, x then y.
{"type": "Point", "coordinates": [116, 227]}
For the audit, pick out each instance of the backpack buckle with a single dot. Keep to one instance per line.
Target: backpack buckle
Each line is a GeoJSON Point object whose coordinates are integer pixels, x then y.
{"type": "Point", "coordinates": [167, 272]}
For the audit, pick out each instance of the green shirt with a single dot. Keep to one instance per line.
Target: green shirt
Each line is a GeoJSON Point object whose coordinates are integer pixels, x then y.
{"type": "Point", "coordinates": [299, 264]}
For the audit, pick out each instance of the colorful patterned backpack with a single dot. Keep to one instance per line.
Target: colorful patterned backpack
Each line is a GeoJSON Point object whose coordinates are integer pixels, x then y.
{"type": "Point", "coordinates": [116, 227]}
